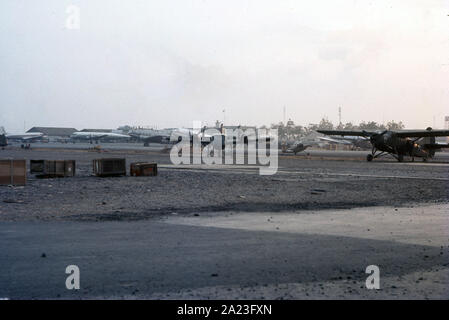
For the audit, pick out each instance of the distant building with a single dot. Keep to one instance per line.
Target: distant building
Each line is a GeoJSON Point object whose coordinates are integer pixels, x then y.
{"type": "Point", "coordinates": [54, 133]}
{"type": "Point", "coordinates": [104, 130]}
{"type": "Point", "coordinates": [97, 130]}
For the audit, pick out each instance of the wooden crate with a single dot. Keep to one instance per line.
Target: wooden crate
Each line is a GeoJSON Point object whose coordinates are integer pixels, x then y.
{"type": "Point", "coordinates": [52, 168]}
{"type": "Point", "coordinates": [13, 172]}
{"type": "Point", "coordinates": [109, 167]}
{"type": "Point", "coordinates": [143, 169]}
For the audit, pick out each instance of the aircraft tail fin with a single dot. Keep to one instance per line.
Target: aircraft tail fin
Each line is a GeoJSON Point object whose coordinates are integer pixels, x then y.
{"type": "Point", "coordinates": [3, 141]}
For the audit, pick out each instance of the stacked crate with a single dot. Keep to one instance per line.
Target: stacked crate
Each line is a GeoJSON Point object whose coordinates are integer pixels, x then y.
{"type": "Point", "coordinates": [109, 167]}
{"type": "Point", "coordinates": [52, 168]}
{"type": "Point", "coordinates": [143, 169]}
{"type": "Point", "coordinates": [13, 172]}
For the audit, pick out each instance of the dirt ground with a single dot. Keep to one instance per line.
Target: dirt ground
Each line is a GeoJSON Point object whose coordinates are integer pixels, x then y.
{"type": "Point", "coordinates": [226, 232]}
{"type": "Point", "coordinates": [300, 184]}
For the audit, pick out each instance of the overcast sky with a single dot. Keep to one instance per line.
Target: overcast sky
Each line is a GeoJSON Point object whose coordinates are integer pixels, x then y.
{"type": "Point", "coordinates": [167, 63]}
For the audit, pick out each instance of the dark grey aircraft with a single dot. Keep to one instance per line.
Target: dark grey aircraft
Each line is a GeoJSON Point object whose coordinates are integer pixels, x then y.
{"type": "Point", "coordinates": [299, 147]}
{"type": "Point", "coordinates": [3, 141]}
{"type": "Point", "coordinates": [295, 147]}
{"type": "Point", "coordinates": [413, 143]}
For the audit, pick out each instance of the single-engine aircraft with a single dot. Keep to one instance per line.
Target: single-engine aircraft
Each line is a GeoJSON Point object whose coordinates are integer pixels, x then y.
{"type": "Point", "coordinates": [299, 146]}
{"type": "Point", "coordinates": [413, 143]}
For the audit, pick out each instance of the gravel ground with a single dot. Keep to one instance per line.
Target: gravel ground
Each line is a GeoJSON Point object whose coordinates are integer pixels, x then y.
{"type": "Point", "coordinates": [302, 183]}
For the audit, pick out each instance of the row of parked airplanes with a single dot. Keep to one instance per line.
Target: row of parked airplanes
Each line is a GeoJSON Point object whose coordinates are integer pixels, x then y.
{"type": "Point", "coordinates": [413, 143]}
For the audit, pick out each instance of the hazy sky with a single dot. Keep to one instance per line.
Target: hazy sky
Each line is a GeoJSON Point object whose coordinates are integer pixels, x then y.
{"type": "Point", "coordinates": [167, 63]}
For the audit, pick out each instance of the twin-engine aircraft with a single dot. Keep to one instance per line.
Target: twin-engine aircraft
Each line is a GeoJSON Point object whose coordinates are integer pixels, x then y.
{"type": "Point", "coordinates": [163, 136]}
{"type": "Point", "coordinates": [23, 137]}
{"type": "Point", "coordinates": [413, 143]}
{"type": "Point", "coordinates": [95, 136]}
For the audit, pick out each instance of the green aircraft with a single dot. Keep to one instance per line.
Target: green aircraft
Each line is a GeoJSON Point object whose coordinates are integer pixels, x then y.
{"type": "Point", "coordinates": [413, 143]}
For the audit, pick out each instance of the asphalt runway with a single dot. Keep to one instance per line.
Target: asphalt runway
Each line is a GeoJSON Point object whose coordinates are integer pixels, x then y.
{"type": "Point", "coordinates": [224, 231]}
{"type": "Point", "coordinates": [249, 256]}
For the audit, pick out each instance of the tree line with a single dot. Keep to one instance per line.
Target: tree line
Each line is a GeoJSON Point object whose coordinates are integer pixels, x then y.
{"type": "Point", "coordinates": [290, 130]}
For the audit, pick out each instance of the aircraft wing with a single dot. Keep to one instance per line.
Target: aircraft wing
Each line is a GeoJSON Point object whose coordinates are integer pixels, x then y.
{"type": "Point", "coordinates": [360, 133]}
{"type": "Point", "coordinates": [25, 138]}
{"type": "Point", "coordinates": [422, 133]}
{"type": "Point", "coordinates": [339, 141]}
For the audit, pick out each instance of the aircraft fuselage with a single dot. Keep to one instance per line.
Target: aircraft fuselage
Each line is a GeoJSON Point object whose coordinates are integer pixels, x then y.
{"type": "Point", "coordinates": [390, 143]}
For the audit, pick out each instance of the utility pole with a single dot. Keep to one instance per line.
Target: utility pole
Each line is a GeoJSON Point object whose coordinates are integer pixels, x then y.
{"type": "Point", "coordinates": [339, 116]}
{"type": "Point", "coordinates": [284, 115]}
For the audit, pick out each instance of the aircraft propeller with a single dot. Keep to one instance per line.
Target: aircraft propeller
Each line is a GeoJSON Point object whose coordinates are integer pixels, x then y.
{"type": "Point", "coordinates": [375, 136]}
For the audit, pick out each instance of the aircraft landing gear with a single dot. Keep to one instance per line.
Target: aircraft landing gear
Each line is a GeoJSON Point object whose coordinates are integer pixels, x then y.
{"type": "Point", "coordinates": [374, 154]}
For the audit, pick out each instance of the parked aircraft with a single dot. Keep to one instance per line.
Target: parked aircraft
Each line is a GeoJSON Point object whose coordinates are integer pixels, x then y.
{"type": "Point", "coordinates": [172, 135]}
{"type": "Point", "coordinates": [301, 145]}
{"type": "Point", "coordinates": [162, 136]}
{"type": "Point", "coordinates": [3, 141]}
{"type": "Point", "coordinates": [249, 136]}
{"type": "Point", "coordinates": [22, 137]}
{"type": "Point", "coordinates": [95, 136]}
{"type": "Point", "coordinates": [294, 148]}
{"type": "Point", "coordinates": [413, 143]}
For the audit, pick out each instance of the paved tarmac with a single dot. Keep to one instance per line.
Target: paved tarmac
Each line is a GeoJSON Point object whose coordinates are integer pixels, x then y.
{"type": "Point", "coordinates": [320, 254]}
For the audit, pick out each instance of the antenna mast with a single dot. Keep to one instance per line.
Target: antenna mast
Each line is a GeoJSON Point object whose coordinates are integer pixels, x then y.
{"type": "Point", "coordinates": [339, 116]}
